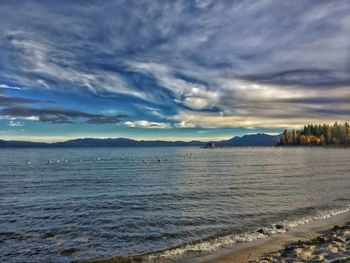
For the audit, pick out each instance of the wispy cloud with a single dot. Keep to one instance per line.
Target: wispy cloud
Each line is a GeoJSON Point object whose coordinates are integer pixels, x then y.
{"type": "Point", "coordinates": [5, 86]}
{"type": "Point", "coordinates": [7, 101]}
{"type": "Point", "coordinates": [187, 119]}
{"type": "Point", "coordinates": [147, 124]}
{"type": "Point", "coordinates": [194, 63]}
{"type": "Point", "coordinates": [56, 115]}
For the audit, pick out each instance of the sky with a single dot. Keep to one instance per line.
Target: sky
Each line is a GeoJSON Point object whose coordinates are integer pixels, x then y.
{"type": "Point", "coordinates": [171, 70]}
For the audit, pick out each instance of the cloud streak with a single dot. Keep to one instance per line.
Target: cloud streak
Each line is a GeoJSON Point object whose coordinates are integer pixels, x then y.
{"type": "Point", "coordinates": [195, 63]}
{"type": "Point", "coordinates": [8, 101]}
{"type": "Point", "coordinates": [57, 116]}
{"type": "Point", "coordinates": [147, 124]}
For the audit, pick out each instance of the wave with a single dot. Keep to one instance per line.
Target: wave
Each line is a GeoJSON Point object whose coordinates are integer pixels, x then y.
{"type": "Point", "coordinates": [211, 244]}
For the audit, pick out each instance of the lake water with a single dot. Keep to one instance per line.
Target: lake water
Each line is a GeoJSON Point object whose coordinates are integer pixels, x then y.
{"type": "Point", "coordinates": [58, 205]}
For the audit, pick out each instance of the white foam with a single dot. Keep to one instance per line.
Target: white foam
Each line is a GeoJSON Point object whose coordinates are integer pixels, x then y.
{"type": "Point", "coordinates": [208, 245]}
{"type": "Point", "coordinates": [317, 216]}
{"type": "Point", "coordinates": [213, 244]}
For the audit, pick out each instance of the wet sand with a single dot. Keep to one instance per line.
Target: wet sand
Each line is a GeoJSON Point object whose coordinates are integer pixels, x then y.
{"type": "Point", "coordinates": [323, 240]}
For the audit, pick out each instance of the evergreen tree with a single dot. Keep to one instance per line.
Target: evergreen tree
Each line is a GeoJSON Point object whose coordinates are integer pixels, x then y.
{"type": "Point", "coordinates": [312, 134]}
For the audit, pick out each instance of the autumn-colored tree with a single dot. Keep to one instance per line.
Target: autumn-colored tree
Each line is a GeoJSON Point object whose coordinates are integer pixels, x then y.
{"type": "Point", "coordinates": [311, 134]}
{"type": "Point", "coordinates": [303, 140]}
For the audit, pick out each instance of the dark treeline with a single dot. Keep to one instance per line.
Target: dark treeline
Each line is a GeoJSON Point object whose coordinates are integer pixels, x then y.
{"type": "Point", "coordinates": [311, 134]}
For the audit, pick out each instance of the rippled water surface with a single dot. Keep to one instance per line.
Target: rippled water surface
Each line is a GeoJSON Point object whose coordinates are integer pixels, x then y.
{"type": "Point", "coordinates": [57, 205]}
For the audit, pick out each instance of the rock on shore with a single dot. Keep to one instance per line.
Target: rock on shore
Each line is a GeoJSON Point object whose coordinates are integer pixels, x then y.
{"type": "Point", "coordinates": [332, 246]}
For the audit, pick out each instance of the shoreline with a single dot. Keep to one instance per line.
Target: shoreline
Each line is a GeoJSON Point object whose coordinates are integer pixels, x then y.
{"type": "Point", "coordinates": [267, 250]}
{"type": "Point", "coordinates": [258, 250]}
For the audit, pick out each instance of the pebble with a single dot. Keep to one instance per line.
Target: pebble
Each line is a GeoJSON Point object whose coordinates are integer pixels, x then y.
{"type": "Point", "coordinates": [319, 257]}
{"type": "Point", "coordinates": [333, 246]}
{"type": "Point", "coordinates": [340, 239]}
{"type": "Point", "coordinates": [334, 249]}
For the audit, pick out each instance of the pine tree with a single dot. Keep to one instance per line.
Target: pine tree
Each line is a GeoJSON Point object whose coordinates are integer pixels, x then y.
{"type": "Point", "coordinates": [312, 134]}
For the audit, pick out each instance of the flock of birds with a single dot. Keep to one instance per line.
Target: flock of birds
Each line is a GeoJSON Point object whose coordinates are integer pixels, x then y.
{"type": "Point", "coordinates": [186, 156]}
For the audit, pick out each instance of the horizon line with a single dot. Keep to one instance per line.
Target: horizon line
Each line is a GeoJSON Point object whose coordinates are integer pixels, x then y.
{"type": "Point", "coordinates": [165, 139]}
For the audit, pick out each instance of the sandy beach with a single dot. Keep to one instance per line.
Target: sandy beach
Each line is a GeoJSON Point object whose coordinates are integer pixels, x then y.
{"type": "Point", "coordinates": [326, 240]}
{"type": "Point", "coordinates": [323, 240]}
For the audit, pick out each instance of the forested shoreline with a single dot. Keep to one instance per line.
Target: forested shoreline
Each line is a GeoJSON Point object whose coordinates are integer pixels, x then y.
{"type": "Point", "coordinates": [317, 135]}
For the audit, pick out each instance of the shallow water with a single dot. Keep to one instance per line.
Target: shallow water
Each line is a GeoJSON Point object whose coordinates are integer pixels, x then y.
{"type": "Point", "coordinates": [57, 205]}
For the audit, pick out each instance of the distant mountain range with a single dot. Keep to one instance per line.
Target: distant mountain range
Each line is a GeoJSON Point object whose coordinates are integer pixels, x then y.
{"type": "Point", "coordinates": [259, 139]}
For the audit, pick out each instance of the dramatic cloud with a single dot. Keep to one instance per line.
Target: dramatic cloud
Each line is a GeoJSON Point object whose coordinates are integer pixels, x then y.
{"type": "Point", "coordinates": [57, 115]}
{"type": "Point", "coordinates": [178, 63]}
{"type": "Point", "coordinates": [219, 120]}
